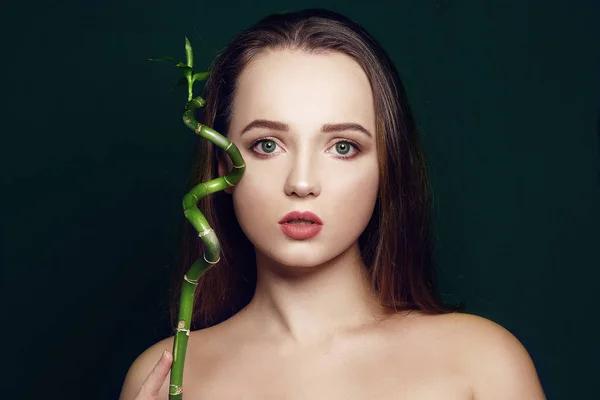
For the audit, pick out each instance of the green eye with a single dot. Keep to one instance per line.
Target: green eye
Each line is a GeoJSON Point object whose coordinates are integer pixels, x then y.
{"type": "Point", "coordinates": [268, 146]}
{"type": "Point", "coordinates": [342, 147]}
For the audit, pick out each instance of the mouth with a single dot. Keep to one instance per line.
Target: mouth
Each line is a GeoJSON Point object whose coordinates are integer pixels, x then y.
{"type": "Point", "coordinates": [301, 218]}
{"type": "Point", "coordinates": [301, 225]}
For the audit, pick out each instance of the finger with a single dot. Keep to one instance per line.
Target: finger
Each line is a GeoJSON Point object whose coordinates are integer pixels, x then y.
{"type": "Point", "coordinates": [157, 376]}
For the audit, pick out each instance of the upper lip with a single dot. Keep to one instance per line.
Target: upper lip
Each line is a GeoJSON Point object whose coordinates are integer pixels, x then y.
{"type": "Point", "coordinates": [306, 215]}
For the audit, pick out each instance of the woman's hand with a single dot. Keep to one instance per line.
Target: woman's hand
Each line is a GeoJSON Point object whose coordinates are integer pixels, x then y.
{"type": "Point", "coordinates": [151, 386]}
{"type": "Point", "coordinates": [146, 377]}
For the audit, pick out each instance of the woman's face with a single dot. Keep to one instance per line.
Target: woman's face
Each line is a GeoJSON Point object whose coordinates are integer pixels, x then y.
{"type": "Point", "coordinates": [310, 157]}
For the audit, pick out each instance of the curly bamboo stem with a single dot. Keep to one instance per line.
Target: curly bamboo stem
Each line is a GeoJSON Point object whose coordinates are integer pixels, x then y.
{"type": "Point", "coordinates": [211, 253]}
{"type": "Point", "coordinates": [211, 244]}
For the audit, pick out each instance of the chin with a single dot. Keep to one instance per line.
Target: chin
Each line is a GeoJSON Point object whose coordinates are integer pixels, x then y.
{"type": "Point", "coordinates": [302, 255]}
{"type": "Point", "coordinates": [294, 256]}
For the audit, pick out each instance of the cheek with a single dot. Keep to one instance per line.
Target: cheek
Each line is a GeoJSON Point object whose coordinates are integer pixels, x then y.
{"type": "Point", "coordinates": [253, 197]}
{"type": "Point", "coordinates": [353, 198]}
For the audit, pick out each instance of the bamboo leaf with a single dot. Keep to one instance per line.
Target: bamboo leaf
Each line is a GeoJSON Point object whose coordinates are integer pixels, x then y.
{"type": "Point", "coordinates": [187, 71]}
{"type": "Point", "coordinates": [189, 55]}
{"type": "Point", "coordinates": [167, 58]}
{"type": "Point", "coordinates": [181, 82]}
{"type": "Point", "coordinates": [200, 76]}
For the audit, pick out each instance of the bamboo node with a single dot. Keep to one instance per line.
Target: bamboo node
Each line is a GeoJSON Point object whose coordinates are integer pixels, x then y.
{"type": "Point", "coordinates": [198, 129]}
{"type": "Point", "coordinates": [192, 281]}
{"type": "Point", "coordinates": [196, 197]}
{"type": "Point", "coordinates": [205, 232]}
{"type": "Point", "coordinates": [210, 262]}
{"type": "Point", "coordinates": [229, 183]}
{"type": "Point", "coordinates": [187, 331]}
{"type": "Point", "coordinates": [240, 166]}
{"type": "Point", "coordinates": [181, 328]}
{"type": "Point", "coordinates": [175, 389]}
{"type": "Point", "coordinates": [230, 143]}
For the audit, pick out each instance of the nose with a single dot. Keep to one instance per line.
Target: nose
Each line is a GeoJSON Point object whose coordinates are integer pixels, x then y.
{"type": "Point", "coordinates": [303, 179]}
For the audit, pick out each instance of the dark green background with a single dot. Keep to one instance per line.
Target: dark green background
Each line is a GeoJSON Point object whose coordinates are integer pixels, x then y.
{"type": "Point", "coordinates": [95, 161]}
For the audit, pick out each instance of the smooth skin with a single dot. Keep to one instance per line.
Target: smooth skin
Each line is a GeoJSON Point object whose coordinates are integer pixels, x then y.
{"type": "Point", "coordinates": [314, 329]}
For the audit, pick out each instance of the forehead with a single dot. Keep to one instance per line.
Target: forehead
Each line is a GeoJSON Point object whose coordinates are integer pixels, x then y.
{"type": "Point", "coordinates": [303, 89]}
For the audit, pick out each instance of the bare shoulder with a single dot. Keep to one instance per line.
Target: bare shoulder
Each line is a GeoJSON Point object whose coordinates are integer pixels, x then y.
{"type": "Point", "coordinates": [498, 365]}
{"type": "Point", "coordinates": [141, 367]}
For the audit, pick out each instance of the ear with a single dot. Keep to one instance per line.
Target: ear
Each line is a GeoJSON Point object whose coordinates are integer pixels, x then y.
{"type": "Point", "coordinates": [224, 165]}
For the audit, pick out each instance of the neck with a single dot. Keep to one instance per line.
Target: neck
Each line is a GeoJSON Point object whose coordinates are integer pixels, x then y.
{"type": "Point", "coordinates": [309, 305]}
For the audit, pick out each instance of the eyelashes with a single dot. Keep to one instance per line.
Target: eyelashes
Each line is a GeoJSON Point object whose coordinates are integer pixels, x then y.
{"type": "Point", "coordinates": [353, 144]}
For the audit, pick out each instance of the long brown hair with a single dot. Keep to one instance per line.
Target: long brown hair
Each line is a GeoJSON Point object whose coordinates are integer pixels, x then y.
{"type": "Point", "coordinates": [396, 246]}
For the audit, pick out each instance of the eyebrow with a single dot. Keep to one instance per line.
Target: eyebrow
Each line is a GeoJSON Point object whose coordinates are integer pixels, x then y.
{"type": "Point", "coordinates": [283, 127]}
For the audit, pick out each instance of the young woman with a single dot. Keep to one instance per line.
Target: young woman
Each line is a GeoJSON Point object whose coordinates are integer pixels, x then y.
{"type": "Point", "coordinates": [325, 286]}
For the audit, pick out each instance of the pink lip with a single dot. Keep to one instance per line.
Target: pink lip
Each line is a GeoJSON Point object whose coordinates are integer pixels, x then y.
{"type": "Point", "coordinates": [296, 231]}
{"type": "Point", "coordinates": [306, 215]}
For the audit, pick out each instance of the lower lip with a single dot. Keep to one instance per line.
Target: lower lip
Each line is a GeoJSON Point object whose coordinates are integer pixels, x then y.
{"type": "Point", "coordinates": [301, 231]}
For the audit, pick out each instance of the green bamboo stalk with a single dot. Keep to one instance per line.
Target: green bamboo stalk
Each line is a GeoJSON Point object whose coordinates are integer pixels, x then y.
{"type": "Point", "coordinates": [211, 254]}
